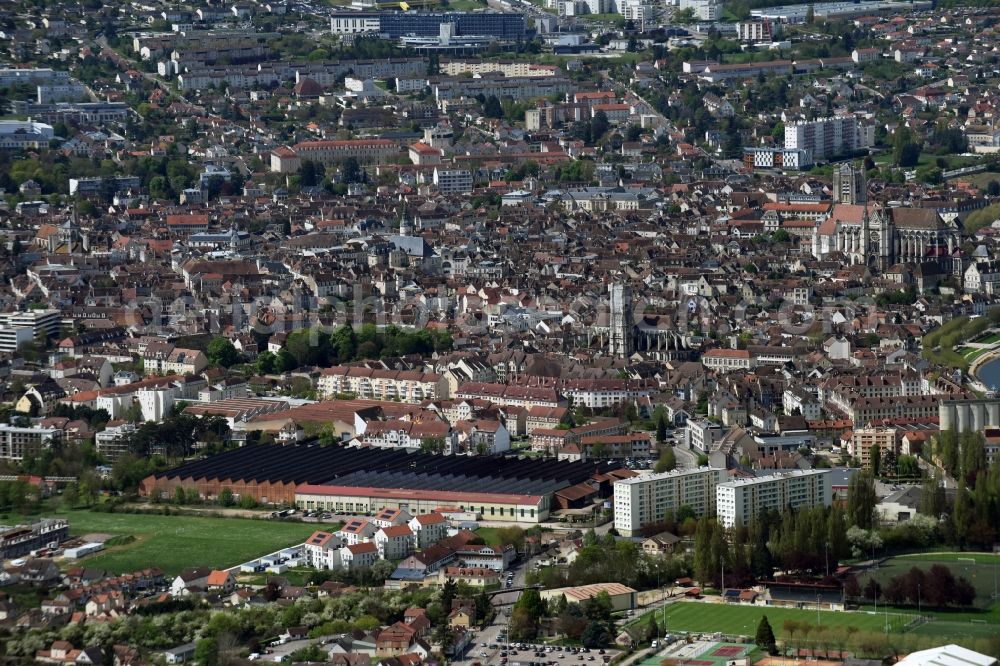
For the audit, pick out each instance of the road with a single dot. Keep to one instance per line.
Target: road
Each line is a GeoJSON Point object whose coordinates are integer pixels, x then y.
{"type": "Point", "coordinates": [686, 458]}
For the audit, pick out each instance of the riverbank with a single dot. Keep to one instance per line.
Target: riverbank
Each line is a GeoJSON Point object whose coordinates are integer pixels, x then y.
{"type": "Point", "coordinates": [978, 364]}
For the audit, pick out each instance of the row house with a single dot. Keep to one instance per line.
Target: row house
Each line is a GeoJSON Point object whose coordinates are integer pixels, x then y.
{"type": "Point", "coordinates": [164, 358]}
{"type": "Point", "coordinates": [635, 445]}
{"type": "Point", "coordinates": [600, 394]}
{"type": "Point", "coordinates": [544, 417]}
{"type": "Point", "coordinates": [503, 394]}
{"type": "Point", "coordinates": [403, 385]}
{"type": "Point", "coordinates": [398, 434]}
{"type": "Point", "coordinates": [866, 410]}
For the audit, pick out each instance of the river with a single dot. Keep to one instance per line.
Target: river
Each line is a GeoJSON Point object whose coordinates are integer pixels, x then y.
{"type": "Point", "coordinates": [989, 373]}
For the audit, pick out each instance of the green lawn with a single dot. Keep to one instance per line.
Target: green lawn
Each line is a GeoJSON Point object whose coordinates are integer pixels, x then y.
{"type": "Point", "coordinates": [983, 574]}
{"type": "Point", "coordinates": [981, 179]}
{"type": "Point", "coordinates": [989, 339]}
{"type": "Point", "coordinates": [971, 353]}
{"type": "Point", "coordinates": [174, 543]}
{"type": "Point", "coordinates": [489, 535]}
{"type": "Point", "coordinates": [742, 620]}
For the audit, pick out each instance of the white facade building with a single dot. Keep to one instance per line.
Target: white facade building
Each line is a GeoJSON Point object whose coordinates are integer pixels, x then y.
{"type": "Point", "coordinates": [453, 181]}
{"type": "Point", "coordinates": [740, 500]}
{"type": "Point", "coordinates": [645, 500]}
{"type": "Point", "coordinates": [705, 10]}
{"type": "Point", "coordinates": [828, 137]}
{"type": "Point", "coordinates": [156, 403]}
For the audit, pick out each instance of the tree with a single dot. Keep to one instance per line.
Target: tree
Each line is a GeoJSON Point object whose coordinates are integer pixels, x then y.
{"type": "Point", "coordinates": [595, 635]}
{"type": "Point", "coordinates": [810, 15]}
{"type": "Point", "coordinates": [206, 652]}
{"type": "Point", "coordinates": [685, 16]}
{"type": "Point", "coordinates": [861, 499]}
{"type": "Point", "coordinates": [492, 107]}
{"type": "Point", "coordinates": [962, 512]}
{"type": "Point", "coordinates": [875, 456]}
{"type": "Point", "coordinates": [70, 496]}
{"type": "Point", "coordinates": [351, 171]}
{"type": "Point", "coordinates": [599, 125]}
{"type": "Point", "coordinates": [765, 636]}
{"type": "Point", "coordinates": [221, 352]}
{"type": "Point", "coordinates": [661, 425]}
{"type": "Point", "coordinates": [225, 497]}
{"type": "Point", "coordinates": [791, 627]}
{"type": "Point", "coordinates": [311, 173]}
{"type": "Point", "coordinates": [667, 461]}
{"type": "Point", "coordinates": [652, 631]}
{"type": "Point", "coordinates": [909, 155]}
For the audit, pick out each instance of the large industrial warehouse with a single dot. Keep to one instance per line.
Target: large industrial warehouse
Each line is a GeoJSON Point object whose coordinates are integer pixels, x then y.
{"type": "Point", "coordinates": [341, 479]}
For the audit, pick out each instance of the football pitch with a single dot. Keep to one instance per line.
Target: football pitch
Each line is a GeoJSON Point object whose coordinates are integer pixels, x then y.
{"type": "Point", "coordinates": [736, 620]}
{"type": "Point", "coordinates": [982, 570]}
{"type": "Point", "coordinates": [174, 543]}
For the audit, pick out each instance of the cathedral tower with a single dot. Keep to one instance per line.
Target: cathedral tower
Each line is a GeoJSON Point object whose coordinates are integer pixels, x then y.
{"type": "Point", "coordinates": [620, 338]}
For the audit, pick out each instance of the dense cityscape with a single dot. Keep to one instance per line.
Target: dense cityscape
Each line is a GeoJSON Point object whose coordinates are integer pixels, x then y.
{"type": "Point", "coordinates": [500, 332]}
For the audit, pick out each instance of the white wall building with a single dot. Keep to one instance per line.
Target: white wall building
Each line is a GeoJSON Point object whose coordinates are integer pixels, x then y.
{"type": "Point", "coordinates": [828, 137]}
{"type": "Point", "coordinates": [644, 500]}
{"type": "Point", "coordinates": [740, 500]}
{"type": "Point", "coordinates": [705, 10]}
{"type": "Point", "coordinates": [156, 403]}
{"type": "Point", "coordinates": [453, 181]}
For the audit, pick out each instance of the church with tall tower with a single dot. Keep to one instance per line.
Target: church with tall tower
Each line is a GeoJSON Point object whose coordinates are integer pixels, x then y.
{"type": "Point", "coordinates": [865, 233]}
{"type": "Point", "coordinates": [622, 321]}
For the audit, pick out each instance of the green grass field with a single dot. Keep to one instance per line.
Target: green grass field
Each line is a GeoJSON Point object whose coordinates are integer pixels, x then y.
{"type": "Point", "coordinates": [971, 353]}
{"type": "Point", "coordinates": [989, 339]}
{"type": "Point", "coordinates": [981, 569]}
{"type": "Point", "coordinates": [174, 543]}
{"type": "Point", "coordinates": [742, 620]}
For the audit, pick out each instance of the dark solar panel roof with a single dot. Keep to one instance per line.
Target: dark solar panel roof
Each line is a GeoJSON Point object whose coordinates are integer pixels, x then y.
{"type": "Point", "coordinates": [385, 468]}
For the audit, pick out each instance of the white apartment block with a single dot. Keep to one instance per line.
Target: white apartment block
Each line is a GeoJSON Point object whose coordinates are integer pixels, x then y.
{"type": "Point", "coordinates": [72, 91]}
{"type": "Point", "coordinates": [37, 320]}
{"type": "Point", "coordinates": [16, 443]}
{"type": "Point", "coordinates": [753, 31]}
{"type": "Point", "coordinates": [704, 10]}
{"type": "Point", "coordinates": [701, 434]}
{"type": "Point", "coordinates": [11, 75]}
{"type": "Point", "coordinates": [828, 137]}
{"type": "Point", "coordinates": [798, 399]}
{"type": "Point", "coordinates": [404, 385]}
{"type": "Point", "coordinates": [12, 338]}
{"type": "Point", "coordinates": [638, 11]}
{"type": "Point", "coordinates": [512, 68]}
{"type": "Point", "coordinates": [343, 23]}
{"type": "Point", "coordinates": [453, 181]}
{"type": "Point", "coordinates": [645, 500]}
{"type": "Point", "coordinates": [112, 443]}
{"type": "Point", "coordinates": [156, 403]}
{"type": "Point", "coordinates": [740, 500]}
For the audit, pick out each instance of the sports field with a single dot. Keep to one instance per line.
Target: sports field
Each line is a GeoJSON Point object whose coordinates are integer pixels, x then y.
{"type": "Point", "coordinates": [700, 653]}
{"type": "Point", "coordinates": [174, 543]}
{"type": "Point", "coordinates": [980, 569]}
{"type": "Point", "coordinates": [735, 620]}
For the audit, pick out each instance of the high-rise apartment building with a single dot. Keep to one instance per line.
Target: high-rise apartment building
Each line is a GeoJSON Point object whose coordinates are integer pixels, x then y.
{"type": "Point", "coordinates": [740, 500]}
{"type": "Point", "coordinates": [645, 500]}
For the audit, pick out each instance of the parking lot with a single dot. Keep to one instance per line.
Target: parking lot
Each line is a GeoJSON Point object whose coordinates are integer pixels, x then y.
{"type": "Point", "coordinates": [531, 654]}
